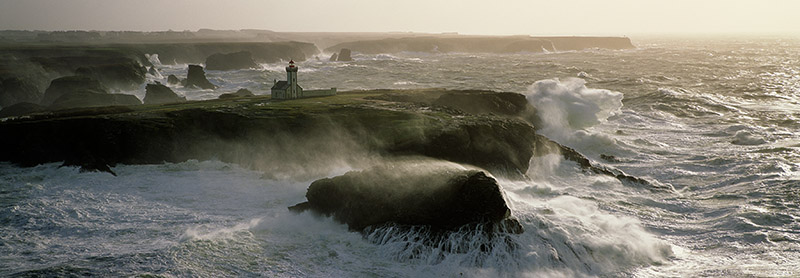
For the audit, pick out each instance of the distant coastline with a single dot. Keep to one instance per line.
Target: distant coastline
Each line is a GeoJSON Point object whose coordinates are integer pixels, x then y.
{"type": "Point", "coordinates": [323, 40]}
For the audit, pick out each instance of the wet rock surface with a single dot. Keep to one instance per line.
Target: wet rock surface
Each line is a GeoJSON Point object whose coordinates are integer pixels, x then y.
{"type": "Point", "coordinates": [345, 55]}
{"type": "Point", "coordinates": [437, 195]}
{"type": "Point", "coordinates": [196, 77]}
{"type": "Point", "coordinates": [158, 94]}
{"type": "Point", "coordinates": [68, 84]}
{"type": "Point", "coordinates": [16, 90]}
{"type": "Point", "coordinates": [239, 93]}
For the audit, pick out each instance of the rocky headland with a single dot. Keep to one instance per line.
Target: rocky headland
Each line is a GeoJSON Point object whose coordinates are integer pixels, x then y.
{"type": "Point", "coordinates": [289, 132]}
{"type": "Point", "coordinates": [430, 156]}
{"type": "Point", "coordinates": [491, 130]}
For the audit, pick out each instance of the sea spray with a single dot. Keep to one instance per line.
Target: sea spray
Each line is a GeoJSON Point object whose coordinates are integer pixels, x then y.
{"type": "Point", "coordinates": [561, 210]}
{"type": "Point", "coordinates": [153, 58]}
{"type": "Point", "coordinates": [725, 188]}
{"type": "Point", "coordinates": [568, 110]}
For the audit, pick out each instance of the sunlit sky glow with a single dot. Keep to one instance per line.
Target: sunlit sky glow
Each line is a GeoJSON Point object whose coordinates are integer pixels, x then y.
{"type": "Point", "coordinates": [576, 17]}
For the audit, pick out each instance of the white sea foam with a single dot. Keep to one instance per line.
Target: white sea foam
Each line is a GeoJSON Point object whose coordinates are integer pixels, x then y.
{"type": "Point", "coordinates": [568, 110]}
{"type": "Point", "coordinates": [216, 219]}
{"type": "Point", "coordinates": [570, 104]}
{"type": "Point", "coordinates": [153, 58]}
{"type": "Point", "coordinates": [746, 138]}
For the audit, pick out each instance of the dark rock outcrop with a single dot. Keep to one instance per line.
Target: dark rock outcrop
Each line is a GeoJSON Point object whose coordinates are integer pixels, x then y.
{"type": "Point", "coordinates": [61, 86]}
{"type": "Point", "coordinates": [239, 93]}
{"type": "Point", "coordinates": [197, 78]}
{"type": "Point", "coordinates": [77, 99]}
{"type": "Point", "coordinates": [230, 61]}
{"type": "Point", "coordinates": [470, 102]}
{"type": "Point", "coordinates": [432, 194]}
{"type": "Point", "coordinates": [173, 80]}
{"type": "Point", "coordinates": [152, 71]}
{"type": "Point", "coordinates": [334, 57]}
{"type": "Point", "coordinates": [158, 94]}
{"type": "Point", "coordinates": [509, 104]}
{"type": "Point", "coordinates": [111, 68]}
{"type": "Point", "coordinates": [344, 55]}
{"type": "Point", "coordinates": [86, 165]}
{"type": "Point", "coordinates": [16, 90]}
{"type": "Point", "coordinates": [20, 109]}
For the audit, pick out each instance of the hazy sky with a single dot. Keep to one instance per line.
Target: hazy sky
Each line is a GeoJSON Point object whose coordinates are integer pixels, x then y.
{"type": "Point", "coordinates": [576, 17]}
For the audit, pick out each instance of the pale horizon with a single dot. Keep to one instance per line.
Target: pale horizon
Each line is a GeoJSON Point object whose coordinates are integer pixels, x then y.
{"type": "Point", "coordinates": [578, 18]}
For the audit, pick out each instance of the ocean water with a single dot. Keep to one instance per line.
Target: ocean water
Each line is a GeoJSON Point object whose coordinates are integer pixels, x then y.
{"type": "Point", "coordinates": [713, 124]}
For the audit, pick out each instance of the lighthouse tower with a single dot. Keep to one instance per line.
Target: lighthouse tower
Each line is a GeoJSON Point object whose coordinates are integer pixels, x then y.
{"type": "Point", "coordinates": [289, 89]}
{"type": "Point", "coordinates": [291, 77]}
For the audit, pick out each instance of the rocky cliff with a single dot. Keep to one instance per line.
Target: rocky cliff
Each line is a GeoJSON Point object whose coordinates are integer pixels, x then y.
{"type": "Point", "coordinates": [300, 136]}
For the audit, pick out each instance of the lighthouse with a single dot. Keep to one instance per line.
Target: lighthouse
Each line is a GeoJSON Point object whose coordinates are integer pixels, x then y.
{"type": "Point", "coordinates": [289, 89]}
{"type": "Point", "coordinates": [291, 77]}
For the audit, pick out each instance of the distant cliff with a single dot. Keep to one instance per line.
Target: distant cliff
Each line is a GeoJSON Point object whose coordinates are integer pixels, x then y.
{"type": "Point", "coordinates": [580, 43]}
{"type": "Point", "coordinates": [262, 52]}
{"type": "Point", "coordinates": [511, 44]}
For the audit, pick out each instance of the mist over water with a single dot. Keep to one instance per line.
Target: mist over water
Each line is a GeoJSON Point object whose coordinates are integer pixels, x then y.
{"type": "Point", "coordinates": [715, 122]}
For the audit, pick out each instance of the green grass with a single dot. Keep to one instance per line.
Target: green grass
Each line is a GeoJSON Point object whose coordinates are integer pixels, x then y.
{"type": "Point", "coordinates": [400, 116]}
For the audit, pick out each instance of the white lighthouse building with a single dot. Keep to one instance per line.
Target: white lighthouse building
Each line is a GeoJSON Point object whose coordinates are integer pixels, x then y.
{"type": "Point", "coordinates": [289, 89]}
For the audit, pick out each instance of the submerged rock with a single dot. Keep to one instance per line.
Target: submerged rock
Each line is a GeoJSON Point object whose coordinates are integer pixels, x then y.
{"type": "Point", "coordinates": [158, 93]}
{"type": "Point", "coordinates": [230, 61]}
{"type": "Point", "coordinates": [442, 196]}
{"type": "Point", "coordinates": [197, 78]}
{"type": "Point", "coordinates": [87, 165]}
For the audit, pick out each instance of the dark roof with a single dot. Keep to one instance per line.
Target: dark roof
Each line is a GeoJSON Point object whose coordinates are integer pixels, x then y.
{"type": "Point", "coordinates": [282, 85]}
